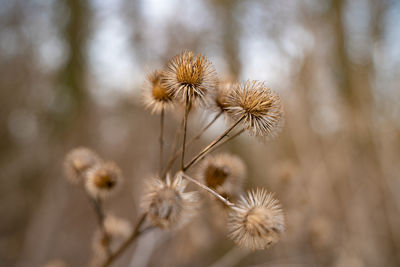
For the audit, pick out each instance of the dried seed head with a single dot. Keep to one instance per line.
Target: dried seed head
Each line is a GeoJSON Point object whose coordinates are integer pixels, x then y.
{"type": "Point", "coordinates": [103, 179]}
{"type": "Point", "coordinates": [224, 173]}
{"type": "Point", "coordinates": [257, 222]}
{"type": "Point", "coordinates": [155, 95]}
{"type": "Point", "coordinates": [166, 203]}
{"type": "Point", "coordinates": [77, 162]}
{"type": "Point", "coordinates": [218, 99]}
{"type": "Point", "coordinates": [190, 75]}
{"type": "Point", "coordinates": [260, 108]}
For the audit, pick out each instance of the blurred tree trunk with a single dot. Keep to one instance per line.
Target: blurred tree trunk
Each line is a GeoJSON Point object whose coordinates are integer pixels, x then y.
{"type": "Point", "coordinates": [230, 34]}
{"type": "Point", "coordinates": [72, 75]}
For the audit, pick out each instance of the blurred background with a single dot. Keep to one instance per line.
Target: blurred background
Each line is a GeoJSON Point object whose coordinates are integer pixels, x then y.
{"type": "Point", "coordinates": [71, 73]}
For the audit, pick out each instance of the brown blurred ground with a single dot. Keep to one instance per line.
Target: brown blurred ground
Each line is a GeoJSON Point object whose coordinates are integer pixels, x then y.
{"type": "Point", "coordinates": [335, 167]}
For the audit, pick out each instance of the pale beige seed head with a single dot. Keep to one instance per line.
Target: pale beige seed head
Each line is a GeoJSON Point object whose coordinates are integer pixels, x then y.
{"type": "Point", "coordinates": [224, 173]}
{"type": "Point", "coordinates": [260, 108]}
{"type": "Point", "coordinates": [155, 95]}
{"type": "Point", "coordinates": [257, 221]}
{"type": "Point", "coordinates": [103, 179]}
{"type": "Point", "coordinates": [77, 162]}
{"type": "Point", "coordinates": [190, 75]}
{"type": "Point", "coordinates": [167, 205]}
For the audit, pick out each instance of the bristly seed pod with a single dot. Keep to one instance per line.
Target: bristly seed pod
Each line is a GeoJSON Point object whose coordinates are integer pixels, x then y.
{"type": "Point", "coordinates": [190, 75]}
{"type": "Point", "coordinates": [257, 222]}
{"type": "Point", "coordinates": [103, 179]}
{"type": "Point", "coordinates": [77, 162]}
{"type": "Point", "coordinates": [223, 173]}
{"type": "Point", "coordinates": [167, 205]}
{"type": "Point", "coordinates": [260, 107]}
{"type": "Point", "coordinates": [218, 99]}
{"type": "Point", "coordinates": [155, 95]}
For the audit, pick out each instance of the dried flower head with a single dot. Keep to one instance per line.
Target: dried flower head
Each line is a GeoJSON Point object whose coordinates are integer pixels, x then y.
{"type": "Point", "coordinates": [190, 75]}
{"type": "Point", "coordinates": [257, 222]}
{"type": "Point", "coordinates": [259, 107]}
{"type": "Point", "coordinates": [155, 95]}
{"type": "Point", "coordinates": [218, 99]}
{"type": "Point", "coordinates": [223, 173]}
{"type": "Point", "coordinates": [103, 179]}
{"type": "Point", "coordinates": [166, 203]}
{"type": "Point", "coordinates": [77, 162]}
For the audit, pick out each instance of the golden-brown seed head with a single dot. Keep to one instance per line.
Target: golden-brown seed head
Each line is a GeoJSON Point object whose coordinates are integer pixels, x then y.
{"type": "Point", "coordinates": [155, 95]}
{"type": "Point", "coordinates": [257, 221]}
{"type": "Point", "coordinates": [190, 75]}
{"type": "Point", "coordinates": [103, 179]}
{"type": "Point", "coordinates": [166, 204]}
{"type": "Point", "coordinates": [223, 173]}
{"type": "Point", "coordinates": [260, 108]}
{"type": "Point", "coordinates": [77, 162]}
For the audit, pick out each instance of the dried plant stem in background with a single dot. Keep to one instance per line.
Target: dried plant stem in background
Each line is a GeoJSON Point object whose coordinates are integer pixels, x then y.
{"type": "Point", "coordinates": [206, 127]}
{"type": "Point", "coordinates": [98, 208]}
{"type": "Point", "coordinates": [161, 141]}
{"type": "Point", "coordinates": [185, 117]}
{"type": "Point", "coordinates": [213, 143]}
{"type": "Point", "coordinates": [230, 137]}
{"type": "Point", "coordinates": [176, 153]}
{"type": "Point", "coordinates": [136, 233]}
{"type": "Point", "coordinates": [226, 202]}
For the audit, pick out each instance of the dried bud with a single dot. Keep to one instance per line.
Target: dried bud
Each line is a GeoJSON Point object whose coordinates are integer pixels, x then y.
{"type": "Point", "coordinates": [155, 95]}
{"type": "Point", "coordinates": [166, 203]}
{"type": "Point", "coordinates": [190, 75]}
{"type": "Point", "coordinates": [259, 107]}
{"type": "Point", "coordinates": [103, 179]}
{"type": "Point", "coordinates": [77, 162]}
{"type": "Point", "coordinates": [257, 222]}
{"type": "Point", "coordinates": [223, 173]}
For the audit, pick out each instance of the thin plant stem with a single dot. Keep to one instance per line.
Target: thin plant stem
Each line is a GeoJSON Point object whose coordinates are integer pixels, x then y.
{"type": "Point", "coordinates": [161, 140]}
{"type": "Point", "coordinates": [213, 143]}
{"type": "Point", "coordinates": [98, 208]}
{"type": "Point", "coordinates": [206, 127]}
{"type": "Point", "coordinates": [224, 200]}
{"type": "Point", "coordinates": [176, 153]}
{"type": "Point", "coordinates": [136, 233]}
{"type": "Point", "coordinates": [222, 143]}
{"type": "Point", "coordinates": [185, 129]}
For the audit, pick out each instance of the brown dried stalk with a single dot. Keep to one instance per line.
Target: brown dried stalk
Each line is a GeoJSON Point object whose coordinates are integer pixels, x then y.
{"type": "Point", "coordinates": [176, 153]}
{"type": "Point", "coordinates": [161, 140]}
{"type": "Point", "coordinates": [213, 143]}
{"type": "Point", "coordinates": [185, 117]}
{"type": "Point", "coordinates": [135, 234]}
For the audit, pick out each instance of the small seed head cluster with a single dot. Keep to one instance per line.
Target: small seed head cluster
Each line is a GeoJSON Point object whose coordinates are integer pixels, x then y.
{"type": "Point", "coordinates": [156, 96]}
{"type": "Point", "coordinates": [260, 108]}
{"type": "Point", "coordinates": [189, 75]}
{"type": "Point", "coordinates": [166, 203]}
{"type": "Point", "coordinates": [103, 179]}
{"type": "Point", "coordinates": [223, 173]}
{"type": "Point", "coordinates": [257, 222]}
